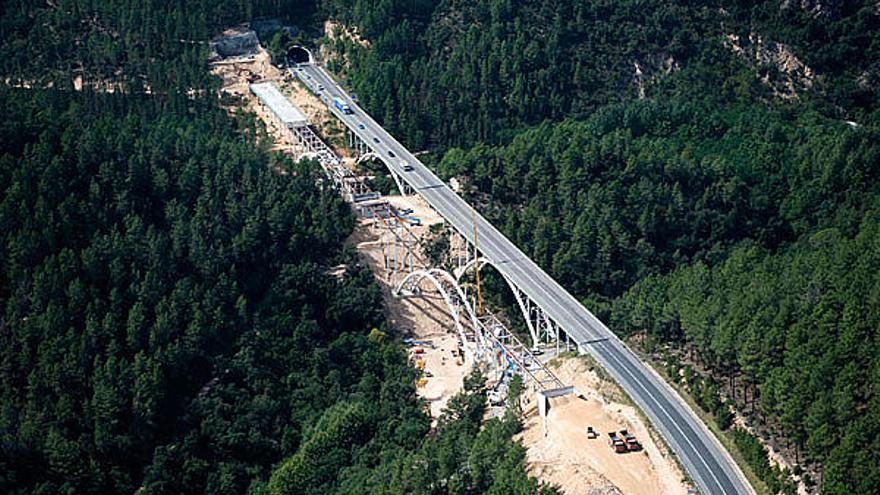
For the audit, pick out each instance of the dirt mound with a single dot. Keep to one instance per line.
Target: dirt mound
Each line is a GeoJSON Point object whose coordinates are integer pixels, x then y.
{"type": "Point", "coordinates": [560, 453]}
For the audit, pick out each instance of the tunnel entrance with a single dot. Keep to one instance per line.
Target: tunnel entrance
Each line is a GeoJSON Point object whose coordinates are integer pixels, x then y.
{"type": "Point", "coordinates": [298, 55]}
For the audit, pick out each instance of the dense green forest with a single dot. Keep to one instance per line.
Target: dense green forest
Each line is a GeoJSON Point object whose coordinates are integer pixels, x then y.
{"type": "Point", "coordinates": [170, 323]}
{"type": "Point", "coordinates": [160, 45]}
{"type": "Point", "coordinates": [451, 73]}
{"type": "Point", "coordinates": [671, 183]}
{"type": "Point", "coordinates": [167, 320]}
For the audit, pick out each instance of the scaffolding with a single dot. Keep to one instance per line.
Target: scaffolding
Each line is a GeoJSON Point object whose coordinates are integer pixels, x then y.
{"type": "Point", "coordinates": [307, 144]}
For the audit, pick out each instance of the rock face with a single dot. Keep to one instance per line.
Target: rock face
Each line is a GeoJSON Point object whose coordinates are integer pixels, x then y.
{"type": "Point", "coordinates": [791, 74]}
{"type": "Point", "coordinates": [647, 69]}
{"type": "Point", "coordinates": [818, 8]}
{"type": "Point", "coordinates": [233, 44]}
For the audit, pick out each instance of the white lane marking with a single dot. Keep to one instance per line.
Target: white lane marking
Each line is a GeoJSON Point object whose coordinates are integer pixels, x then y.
{"type": "Point", "coordinates": [633, 379]}
{"type": "Point", "coordinates": [499, 246]}
{"type": "Point", "coordinates": [669, 417]}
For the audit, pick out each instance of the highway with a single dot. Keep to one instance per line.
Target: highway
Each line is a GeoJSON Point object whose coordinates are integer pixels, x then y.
{"type": "Point", "coordinates": [700, 453]}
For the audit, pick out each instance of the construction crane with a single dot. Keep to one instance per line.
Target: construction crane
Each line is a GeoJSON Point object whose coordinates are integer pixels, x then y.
{"type": "Point", "coordinates": [477, 267]}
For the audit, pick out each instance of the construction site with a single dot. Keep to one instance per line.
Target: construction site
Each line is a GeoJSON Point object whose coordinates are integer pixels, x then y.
{"type": "Point", "coordinates": [581, 435]}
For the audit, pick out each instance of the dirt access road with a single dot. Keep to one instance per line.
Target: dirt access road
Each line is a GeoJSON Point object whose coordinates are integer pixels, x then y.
{"type": "Point", "coordinates": [559, 452]}
{"type": "Point", "coordinates": [422, 318]}
{"type": "Point", "coordinates": [561, 455]}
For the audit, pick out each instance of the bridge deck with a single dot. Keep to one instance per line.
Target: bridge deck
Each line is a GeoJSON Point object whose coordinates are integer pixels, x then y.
{"type": "Point", "coordinates": [705, 460]}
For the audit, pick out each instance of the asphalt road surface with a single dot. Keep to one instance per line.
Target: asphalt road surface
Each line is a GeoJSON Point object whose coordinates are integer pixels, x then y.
{"type": "Point", "coordinates": [709, 466]}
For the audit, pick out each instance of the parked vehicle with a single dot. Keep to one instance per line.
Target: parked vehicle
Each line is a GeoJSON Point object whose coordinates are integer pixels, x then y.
{"type": "Point", "coordinates": [632, 443]}
{"type": "Point", "coordinates": [591, 433]}
{"type": "Point", "coordinates": [616, 443]}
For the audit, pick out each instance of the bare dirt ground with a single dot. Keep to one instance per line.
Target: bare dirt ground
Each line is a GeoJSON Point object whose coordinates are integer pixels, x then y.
{"type": "Point", "coordinates": [562, 455]}
{"type": "Point", "coordinates": [423, 318]}
{"type": "Point", "coordinates": [565, 457]}
{"type": "Point", "coordinates": [235, 73]}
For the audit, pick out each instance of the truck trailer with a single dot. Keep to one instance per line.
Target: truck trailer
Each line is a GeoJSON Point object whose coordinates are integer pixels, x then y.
{"type": "Point", "coordinates": [341, 106]}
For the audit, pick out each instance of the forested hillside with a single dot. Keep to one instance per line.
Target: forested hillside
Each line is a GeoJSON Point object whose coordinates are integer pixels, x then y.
{"type": "Point", "coordinates": [167, 320]}
{"type": "Point", "coordinates": [684, 183]}
{"type": "Point", "coordinates": [170, 323]}
{"type": "Point", "coordinates": [160, 45]}
{"type": "Point", "coordinates": [450, 73]}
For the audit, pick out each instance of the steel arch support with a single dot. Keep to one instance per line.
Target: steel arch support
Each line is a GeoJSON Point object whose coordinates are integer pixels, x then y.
{"type": "Point", "coordinates": [402, 186]}
{"type": "Point", "coordinates": [436, 276]}
{"type": "Point", "coordinates": [535, 326]}
{"type": "Point", "coordinates": [462, 270]}
{"type": "Point", "coordinates": [525, 306]}
{"type": "Point", "coordinates": [366, 156]}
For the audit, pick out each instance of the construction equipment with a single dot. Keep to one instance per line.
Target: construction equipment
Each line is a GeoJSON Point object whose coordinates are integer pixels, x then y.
{"type": "Point", "coordinates": [631, 442]}
{"type": "Point", "coordinates": [616, 443]}
{"type": "Point", "coordinates": [421, 383]}
{"type": "Point", "coordinates": [411, 219]}
{"type": "Point", "coordinates": [477, 268]}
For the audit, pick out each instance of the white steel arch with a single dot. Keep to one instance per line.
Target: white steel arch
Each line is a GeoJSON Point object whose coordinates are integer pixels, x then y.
{"type": "Point", "coordinates": [365, 157]}
{"type": "Point", "coordinates": [437, 276]}
{"type": "Point", "coordinates": [462, 270]}
{"type": "Point", "coordinates": [522, 301]}
{"type": "Point", "coordinates": [401, 186]}
{"type": "Point", "coordinates": [490, 336]}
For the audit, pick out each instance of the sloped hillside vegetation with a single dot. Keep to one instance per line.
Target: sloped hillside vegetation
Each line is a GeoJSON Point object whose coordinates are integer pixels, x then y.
{"type": "Point", "coordinates": [644, 154]}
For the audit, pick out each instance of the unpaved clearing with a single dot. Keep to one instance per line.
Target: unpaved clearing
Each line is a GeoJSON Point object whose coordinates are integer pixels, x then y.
{"type": "Point", "coordinates": [235, 74]}
{"type": "Point", "coordinates": [424, 317]}
{"type": "Point", "coordinates": [562, 455]}
{"type": "Point", "coordinates": [567, 458]}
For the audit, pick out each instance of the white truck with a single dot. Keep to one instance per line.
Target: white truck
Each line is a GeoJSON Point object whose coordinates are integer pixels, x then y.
{"type": "Point", "coordinates": [341, 106]}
